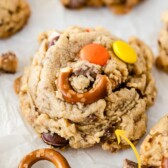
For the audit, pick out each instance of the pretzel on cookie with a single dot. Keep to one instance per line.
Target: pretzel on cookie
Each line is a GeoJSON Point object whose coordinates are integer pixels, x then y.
{"type": "Point", "coordinates": [44, 154]}
{"type": "Point", "coordinates": [96, 93]}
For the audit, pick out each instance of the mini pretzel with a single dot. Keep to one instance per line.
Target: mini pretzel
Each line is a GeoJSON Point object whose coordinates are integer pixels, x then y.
{"type": "Point", "coordinates": [44, 154]}
{"type": "Point", "coordinates": [98, 92]}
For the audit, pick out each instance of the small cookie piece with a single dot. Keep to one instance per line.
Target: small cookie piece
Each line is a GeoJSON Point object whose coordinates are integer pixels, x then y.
{"type": "Point", "coordinates": [154, 149]}
{"type": "Point", "coordinates": [116, 6]}
{"type": "Point", "coordinates": [8, 62]}
{"type": "Point", "coordinates": [130, 164]}
{"type": "Point", "coordinates": [162, 59]}
{"type": "Point", "coordinates": [13, 16]}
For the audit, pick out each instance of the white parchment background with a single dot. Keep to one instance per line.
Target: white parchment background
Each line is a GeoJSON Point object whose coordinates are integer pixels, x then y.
{"type": "Point", "coordinates": [16, 139]}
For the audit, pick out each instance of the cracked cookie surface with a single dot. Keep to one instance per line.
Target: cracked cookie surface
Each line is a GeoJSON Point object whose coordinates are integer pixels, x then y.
{"type": "Point", "coordinates": [117, 6]}
{"type": "Point", "coordinates": [155, 146]}
{"type": "Point", "coordinates": [130, 90]}
{"type": "Point", "coordinates": [162, 59]}
{"type": "Point", "coordinates": [13, 16]}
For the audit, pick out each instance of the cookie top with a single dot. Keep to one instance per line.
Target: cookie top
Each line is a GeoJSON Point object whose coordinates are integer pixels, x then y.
{"type": "Point", "coordinates": [13, 16]}
{"type": "Point", "coordinates": [155, 147]}
{"type": "Point", "coordinates": [117, 6]}
{"type": "Point", "coordinates": [78, 88]}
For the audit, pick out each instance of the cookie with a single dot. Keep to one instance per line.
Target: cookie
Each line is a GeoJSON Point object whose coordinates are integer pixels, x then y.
{"type": "Point", "coordinates": [13, 16]}
{"type": "Point", "coordinates": [117, 6]}
{"type": "Point", "coordinates": [78, 90]}
{"type": "Point", "coordinates": [154, 149]}
{"type": "Point", "coordinates": [162, 59]}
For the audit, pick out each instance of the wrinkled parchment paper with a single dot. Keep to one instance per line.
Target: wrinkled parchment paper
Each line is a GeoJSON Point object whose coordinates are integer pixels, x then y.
{"type": "Point", "coordinates": [16, 137]}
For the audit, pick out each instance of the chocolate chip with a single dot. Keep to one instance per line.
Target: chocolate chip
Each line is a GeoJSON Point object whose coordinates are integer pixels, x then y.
{"type": "Point", "coordinates": [52, 42]}
{"type": "Point", "coordinates": [108, 133]}
{"type": "Point", "coordinates": [54, 140]}
{"type": "Point", "coordinates": [164, 162]}
{"type": "Point", "coordinates": [75, 3]}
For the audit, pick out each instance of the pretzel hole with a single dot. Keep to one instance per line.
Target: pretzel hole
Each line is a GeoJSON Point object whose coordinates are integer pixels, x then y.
{"type": "Point", "coordinates": [43, 164]}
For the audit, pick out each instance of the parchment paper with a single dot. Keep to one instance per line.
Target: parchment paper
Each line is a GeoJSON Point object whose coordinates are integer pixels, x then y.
{"type": "Point", "coordinates": [16, 137]}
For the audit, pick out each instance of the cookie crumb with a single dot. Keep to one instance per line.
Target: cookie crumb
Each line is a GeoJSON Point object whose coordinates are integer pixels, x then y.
{"type": "Point", "coordinates": [8, 62]}
{"type": "Point", "coordinates": [17, 84]}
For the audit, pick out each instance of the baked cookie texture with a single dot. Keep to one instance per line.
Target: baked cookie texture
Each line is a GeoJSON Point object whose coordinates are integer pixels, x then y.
{"type": "Point", "coordinates": [155, 146]}
{"type": "Point", "coordinates": [117, 6]}
{"type": "Point", "coordinates": [13, 16]}
{"type": "Point", "coordinates": [162, 59]}
{"type": "Point", "coordinates": [130, 91]}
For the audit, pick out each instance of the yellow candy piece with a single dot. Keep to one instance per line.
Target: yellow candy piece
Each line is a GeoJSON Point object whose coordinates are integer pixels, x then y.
{"type": "Point", "coordinates": [125, 52]}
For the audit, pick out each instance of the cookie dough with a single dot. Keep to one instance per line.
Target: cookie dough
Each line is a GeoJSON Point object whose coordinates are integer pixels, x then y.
{"type": "Point", "coordinates": [13, 16]}
{"type": "Point", "coordinates": [162, 59]}
{"type": "Point", "coordinates": [54, 88]}
{"type": "Point", "coordinates": [117, 6]}
{"type": "Point", "coordinates": [154, 148]}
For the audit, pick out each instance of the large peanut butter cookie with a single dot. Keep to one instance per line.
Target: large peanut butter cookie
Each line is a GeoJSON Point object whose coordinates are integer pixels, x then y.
{"type": "Point", "coordinates": [117, 6]}
{"type": "Point", "coordinates": [162, 59]}
{"type": "Point", "coordinates": [154, 149]}
{"type": "Point", "coordinates": [13, 16]}
{"type": "Point", "coordinates": [83, 84]}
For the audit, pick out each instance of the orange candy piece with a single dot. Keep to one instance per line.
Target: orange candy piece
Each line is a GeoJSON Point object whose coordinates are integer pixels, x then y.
{"type": "Point", "coordinates": [95, 53]}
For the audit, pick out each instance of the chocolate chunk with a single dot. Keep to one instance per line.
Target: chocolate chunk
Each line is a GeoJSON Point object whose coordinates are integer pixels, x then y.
{"type": "Point", "coordinates": [131, 164]}
{"type": "Point", "coordinates": [75, 3]}
{"type": "Point", "coordinates": [54, 140]}
{"type": "Point", "coordinates": [164, 162]}
{"type": "Point", "coordinates": [52, 42]}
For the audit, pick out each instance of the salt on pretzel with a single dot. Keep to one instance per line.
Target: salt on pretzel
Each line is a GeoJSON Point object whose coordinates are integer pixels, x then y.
{"type": "Point", "coordinates": [44, 154]}
{"type": "Point", "coordinates": [96, 93]}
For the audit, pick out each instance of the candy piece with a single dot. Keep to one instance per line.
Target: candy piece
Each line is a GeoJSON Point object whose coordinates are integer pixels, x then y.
{"type": "Point", "coordinates": [125, 52]}
{"type": "Point", "coordinates": [95, 53]}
